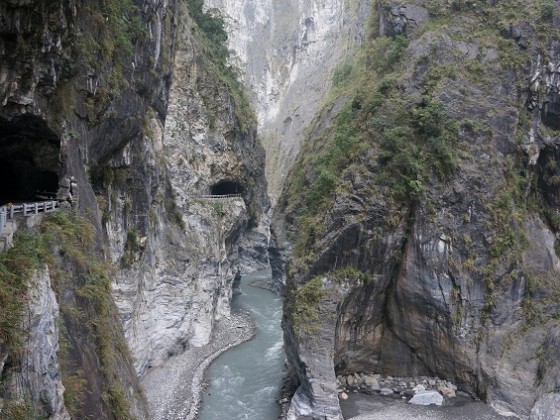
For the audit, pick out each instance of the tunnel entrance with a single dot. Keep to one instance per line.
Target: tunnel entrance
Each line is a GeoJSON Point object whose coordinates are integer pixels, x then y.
{"type": "Point", "coordinates": [29, 156]}
{"type": "Point", "coordinates": [226, 188]}
{"type": "Point", "coordinates": [551, 113]}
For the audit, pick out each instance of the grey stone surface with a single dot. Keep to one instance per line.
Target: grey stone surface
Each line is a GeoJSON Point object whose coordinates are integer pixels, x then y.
{"type": "Point", "coordinates": [178, 284]}
{"type": "Point", "coordinates": [403, 19]}
{"type": "Point", "coordinates": [427, 398]}
{"type": "Point", "coordinates": [428, 309]}
{"type": "Point", "coordinates": [40, 369]}
{"type": "Point", "coordinates": [286, 48]}
{"type": "Point", "coordinates": [546, 408]}
{"type": "Point", "coordinates": [367, 407]}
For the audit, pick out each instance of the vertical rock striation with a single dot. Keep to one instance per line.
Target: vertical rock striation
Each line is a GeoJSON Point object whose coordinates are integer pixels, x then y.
{"type": "Point", "coordinates": [178, 250]}
{"type": "Point", "coordinates": [433, 198]}
{"type": "Point", "coordinates": [39, 378]}
{"type": "Point", "coordinates": [288, 52]}
{"type": "Point", "coordinates": [90, 83]}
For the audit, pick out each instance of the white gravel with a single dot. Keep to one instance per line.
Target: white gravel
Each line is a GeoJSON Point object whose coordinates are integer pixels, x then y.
{"type": "Point", "coordinates": [174, 389]}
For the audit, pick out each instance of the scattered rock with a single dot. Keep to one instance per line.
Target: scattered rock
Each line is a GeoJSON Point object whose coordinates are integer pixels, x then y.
{"type": "Point", "coordinates": [427, 398]}
{"type": "Point", "coordinates": [372, 383]}
{"type": "Point", "coordinates": [419, 388]}
{"type": "Point", "coordinates": [344, 396]}
{"type": "Point", "coordinates": [447, 392]}
{"type": "Point", "coordinates": [404, 386]}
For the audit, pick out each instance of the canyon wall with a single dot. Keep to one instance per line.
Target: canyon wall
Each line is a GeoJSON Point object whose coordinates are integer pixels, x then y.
{"type": "Point", "coordinates": [134, 100]}
{"type": "Point", "coordinates": [422, 215]}
{"type": "Point", "coordinates": [287, 52]}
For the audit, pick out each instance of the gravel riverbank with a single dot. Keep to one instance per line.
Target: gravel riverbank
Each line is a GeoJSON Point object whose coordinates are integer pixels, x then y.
{"type": "Point", "coordinates": [174, 389]}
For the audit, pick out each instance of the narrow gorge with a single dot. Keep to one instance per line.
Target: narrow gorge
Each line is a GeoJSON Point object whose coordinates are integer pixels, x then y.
{"type": "Point", "coordinates": [394, 163]}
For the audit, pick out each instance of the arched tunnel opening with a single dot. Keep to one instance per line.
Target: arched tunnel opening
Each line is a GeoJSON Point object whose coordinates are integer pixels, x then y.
{"type": "Point", "coordinates": [227, 188]}
{"type": "Point", "coordinates": [29, 160]}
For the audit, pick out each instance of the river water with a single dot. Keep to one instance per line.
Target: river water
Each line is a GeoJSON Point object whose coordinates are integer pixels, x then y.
{"type": "Point", "coordinates": [245, 382]}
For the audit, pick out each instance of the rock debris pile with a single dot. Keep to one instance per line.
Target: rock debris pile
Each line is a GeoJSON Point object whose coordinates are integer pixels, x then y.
{"type": "Point", "coordinates": [421, 390]}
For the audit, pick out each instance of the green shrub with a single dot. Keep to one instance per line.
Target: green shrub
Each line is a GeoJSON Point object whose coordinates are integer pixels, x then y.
{"type": "Point", "coordinates": [214, 38]}
{"type": "Point", "coordinates": [386, 53]}
{"type": "Point", "coordinates": [410, 153]}
{"type": "Point", "coordinates": [548, 9]}
{"type": "Point", "coordinates": [322, 188]}
{"type": "Point", "coordinates": [341, 74]}
{"type": "Point", "coordinates": [71, 238]}
{"type": "Point", "coordinates": [16, 267]}
{"type": "Point", "coordinates": [305, 312]}
{"type": "Point", "coordinates": [123, 26]}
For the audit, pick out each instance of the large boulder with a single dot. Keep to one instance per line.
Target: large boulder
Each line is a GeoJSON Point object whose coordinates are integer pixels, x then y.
{"type": "Point", "coordinates": [546, 408]}
{"type": "Point", "coordinates": [427, 398]}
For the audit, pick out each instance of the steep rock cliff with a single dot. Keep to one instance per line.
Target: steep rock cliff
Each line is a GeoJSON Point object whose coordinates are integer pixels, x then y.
{"type": "Point", "coordinates": [422, 209]}
{"type": "Point", "coordinates": [178, 251]}
{"type": "Point", "coordinates": [288, 51]}
{"type": "Point", "coordinates": [75, 84]}
{"type": "Point", "coordinates": [84, 92]}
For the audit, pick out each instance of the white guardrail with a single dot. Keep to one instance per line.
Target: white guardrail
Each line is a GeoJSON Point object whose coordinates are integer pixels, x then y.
{"type": "Point", "coordinates": [8, 212]}
{"type": "Point", "coordinates": [218, 196]}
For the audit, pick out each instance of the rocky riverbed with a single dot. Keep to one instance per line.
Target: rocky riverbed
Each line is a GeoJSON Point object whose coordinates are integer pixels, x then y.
{"type": "Point", "coordinates": [174, 389]}
{"type": "Point", "coordinates": [377, 407]}
{"type": "Point", "coordinates": [387, 385]}
{"type": "Point", "coordinates": [377, 397]}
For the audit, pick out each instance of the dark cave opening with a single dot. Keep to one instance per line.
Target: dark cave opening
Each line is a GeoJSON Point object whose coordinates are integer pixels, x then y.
{"type": "Point", "coordinates": [551, 111]}
{"type": "Point", "coordinates": [226, 188]}
{"type": "Point", "coordinates": [29, 159]}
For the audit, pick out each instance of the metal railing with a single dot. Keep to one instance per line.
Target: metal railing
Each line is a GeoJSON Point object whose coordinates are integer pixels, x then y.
{"type": "Point", "coordinates": [3, 217]}
{"type": "Point", "coordinates": [219, 196]}
{"type": "Point", "coordinates": [8, 212]}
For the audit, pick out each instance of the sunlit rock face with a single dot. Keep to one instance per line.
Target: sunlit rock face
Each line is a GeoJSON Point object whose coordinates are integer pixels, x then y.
{"type": "Point", "coordinates": [180, 262]}
{"type": "Point", "coordinates": [287, 52]}
{"type": "Point", "coordinates": [142, 153]}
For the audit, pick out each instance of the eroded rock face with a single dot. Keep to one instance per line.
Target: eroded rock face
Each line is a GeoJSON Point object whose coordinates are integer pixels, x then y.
{"type": "Point", "coordinates": [548, 407]}
{"type": "Point", "coordinates": [452, 291]}
{"type": "Point", "coordinates": [178, 273]}
{"type": "Point", "coordinates": [98, 78]}
{"type": "Point", "coordinates": [40, 368]}
{"type": "Point", "coordinates": [76, 72]}
{"type": "Point", "coordinates": [288, 52]}
{"type": "Point", "coordinates": [402, 19]}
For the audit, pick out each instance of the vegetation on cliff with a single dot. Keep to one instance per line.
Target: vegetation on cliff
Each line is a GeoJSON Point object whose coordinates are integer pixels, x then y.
{"type": "Point", "coordinates": [81, 279]}
{"type": "Point", "coordinates": [433, 167]}
{"type": "Point", "coordinates": [216, 56]}
{"type": "Point", "coordinates": [391, 130]}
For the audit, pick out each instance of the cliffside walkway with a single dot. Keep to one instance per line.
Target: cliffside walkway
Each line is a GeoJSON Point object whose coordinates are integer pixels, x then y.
{"type": "Point", "coordinates": [9, 212]}
{"type": "Point", "coordinates": [218, 197]}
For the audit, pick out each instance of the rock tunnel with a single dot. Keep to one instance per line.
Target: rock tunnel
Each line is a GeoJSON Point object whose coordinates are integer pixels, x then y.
{"type": "Point", "coordinates": [29, 159]}
{"type": "Point", "coordinates": [226, 188]}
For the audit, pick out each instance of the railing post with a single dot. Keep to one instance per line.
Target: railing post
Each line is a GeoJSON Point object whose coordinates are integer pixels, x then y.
{"type": "Point", "coordinates": [36, 208]}
{"type": "Point", "coordinates": [3, 211]}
